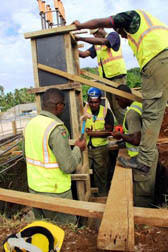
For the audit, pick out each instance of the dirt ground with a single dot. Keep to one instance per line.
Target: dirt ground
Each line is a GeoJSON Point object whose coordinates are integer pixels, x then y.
{"type": "Point", "coordinates": [147, 239]}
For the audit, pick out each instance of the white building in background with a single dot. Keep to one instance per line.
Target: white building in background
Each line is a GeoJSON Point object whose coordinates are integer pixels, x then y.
{"type": "Point", "coordinates": [23, 109]}
{"type": "Point", "coordinates": [20, 114]}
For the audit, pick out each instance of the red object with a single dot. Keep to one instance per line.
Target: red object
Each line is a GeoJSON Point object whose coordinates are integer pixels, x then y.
{"type": "Point", "coordinates": [119, 128]}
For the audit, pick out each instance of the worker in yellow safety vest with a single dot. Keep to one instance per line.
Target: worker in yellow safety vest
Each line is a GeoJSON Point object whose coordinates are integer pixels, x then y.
{"type": "Point", "coordinates": [148, 38]}
{"type": "Point", "coordinates": [144, 186]}
{"type": "Point", "coordinates": [99, 124]}
{"type": "Point", "coordinates": [49, 158]}
{"type": "Point", "coordinates": [111, 65]}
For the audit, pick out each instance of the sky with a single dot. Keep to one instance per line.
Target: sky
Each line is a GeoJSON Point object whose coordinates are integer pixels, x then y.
{"type": "Point", "coordinates": [19, 17]}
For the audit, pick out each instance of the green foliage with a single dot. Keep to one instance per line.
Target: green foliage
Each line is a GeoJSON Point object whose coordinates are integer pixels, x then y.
{"type": "Point", "coordinates": [20, 96]}
{"type": "Point", "coordinates": [134, 77]}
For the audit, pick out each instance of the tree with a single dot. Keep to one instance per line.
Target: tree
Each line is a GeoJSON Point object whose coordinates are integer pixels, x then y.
{"type": "Point", "coordinates": [2, 90]}
{"type": "Point", "coordinates": [134, 77]}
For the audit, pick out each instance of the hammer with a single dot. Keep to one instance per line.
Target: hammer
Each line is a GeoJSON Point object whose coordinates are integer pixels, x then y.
{"type": "Point", "coordinates": [84, 118]}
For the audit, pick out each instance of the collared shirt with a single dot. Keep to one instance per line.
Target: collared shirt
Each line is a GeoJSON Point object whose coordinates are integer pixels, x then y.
{"type": "Point", "coordinates": [129, 20]}
{"type": "Point", "coordinates": [114, 43]}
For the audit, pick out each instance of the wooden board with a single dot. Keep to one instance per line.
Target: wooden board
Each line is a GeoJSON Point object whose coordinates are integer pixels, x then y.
{"type": "Point", "coordinates": [67, 86]}
{"type": "Point", "coordinates": [108, 82]}
{"type": "Point", "coordinates": [35, 71]}
{"type": "Point", "coordinates": [75, 207]}
{"type": "Point", "coordinates": [77, 78]}
{"type": "Point", "coordinates": [49, 32]}
{"type": "Point", "coordinates": [98, 78]}
{"type": "Point", "coordinates": [116, 232]}
{"type": "Point", "coordinates": [152, 217]}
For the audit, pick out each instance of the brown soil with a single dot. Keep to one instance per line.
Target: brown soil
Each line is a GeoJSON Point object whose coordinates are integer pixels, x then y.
{"type": "Point", "coordinates": [147, 239]}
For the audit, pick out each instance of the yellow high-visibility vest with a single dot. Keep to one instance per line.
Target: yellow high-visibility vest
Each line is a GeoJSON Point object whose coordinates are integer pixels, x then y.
{"type": "Point", "coordinates": [132, 149]}
{"type": "Point", "coordinates": [98, 124]}
{"type": "Point", "coordinates": [112, 61]}
{"type": "Point", "coordinates": [43, 172]}
{"type": "Point", "coordinates": [150, 39]}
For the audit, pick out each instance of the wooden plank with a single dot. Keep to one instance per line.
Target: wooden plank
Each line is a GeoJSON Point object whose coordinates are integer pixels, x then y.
{"type": "Point", "coordinates": [98, 78]}
{"type": "Point", "coordinates": [74, 207]}
{"type": "Point", "coordinates": [162, 140]}
{"type": "Point", "coordinates": [94, 190]}
{"type": "Point", "coordinates": [79, 177]}
{"type": "Point", "coordinates": [152, 217]}
{"type": "Point", "coordinates": [91, 83]}
{"type": "Point", "coordinates": [48, 32]}
{"type": "Point", "coordinates": [70, 85]}
{"type": "Point", "coordinates": [35, 71]}
{"type": "Point", "coordinates": [108, 82]}
{"type": "Point", "coordinates": [116, 232]}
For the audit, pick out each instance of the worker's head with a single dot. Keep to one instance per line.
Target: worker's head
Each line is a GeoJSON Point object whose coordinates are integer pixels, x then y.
{"type": "Point", "coordinates": [94, 98]}
{"type": "Point", "coordinates": [122, 32]}
{"type": "Point", "coordinates": [53, 101]}
{"type": "Point", "coordinates": [123, 102]}
{"type": "Point", "coordinates": [98, 32]}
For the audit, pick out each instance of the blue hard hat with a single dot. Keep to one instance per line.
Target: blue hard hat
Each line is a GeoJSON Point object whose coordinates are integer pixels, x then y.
{"type": "Point", "coordinates": [94, 92]}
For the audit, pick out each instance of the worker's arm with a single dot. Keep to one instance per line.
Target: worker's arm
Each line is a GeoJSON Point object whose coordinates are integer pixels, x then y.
{"type": "Point", "coordinates": [133, 123]}
{"type": "Point", "coordinates": [101, 133]}
{"type": "Point", "coordinates": [93, 41]}
{"type": "Point", "coordinates": [89, 52]}
{"type": "Point", "coordinates": [67, 158]}
{"type": "Point", "coordinates": [109, 125]}
{"type": "Point", "coordinates": [130, 138]}
{"type": "Point", "coordinates": [84, 54]}
{"type": "Point", "coordinates": [129, 20]}
{"type": "Point", "coordinates": [95, 23]}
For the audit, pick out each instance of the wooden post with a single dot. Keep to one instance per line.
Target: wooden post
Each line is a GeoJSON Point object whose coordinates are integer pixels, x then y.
{"type": "Point", "coordinates": [14, 128]}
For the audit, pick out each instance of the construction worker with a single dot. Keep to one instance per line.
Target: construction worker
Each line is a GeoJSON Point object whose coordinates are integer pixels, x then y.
{"type": "Point", "coordinates": [111, 64]}
{"type": "Point", "coordinates": [144, 184]}
{"type": "Point", "coordinates": [49, 158]}
{"type": "Point", "coordinates": [99, 124]}
{"type": "Point", "coordinates": [148, 39]}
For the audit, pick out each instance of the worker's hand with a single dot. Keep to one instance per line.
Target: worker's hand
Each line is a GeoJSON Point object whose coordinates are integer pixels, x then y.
{"type": "Point", "coordinates": [89, 130]}
{"type": "Point", "coordinates": [77, 38]}
{"type": "Point", "coordinates": [85, 117]}
{"type": "Point", "coordinates": [81, 143]}
{"type": "Point", "coordinates": [116, 135]}
{"type": "Point", "coordinates": [77, 23]}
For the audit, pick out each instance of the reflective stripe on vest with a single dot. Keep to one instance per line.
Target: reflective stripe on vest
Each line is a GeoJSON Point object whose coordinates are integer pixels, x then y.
{"type": "Point", "coordinates": [41, 164]}
{"type": "Point", "coordinates": [112, 61]}
{"type": "Point", "coordinates": [132, 149]}
{"type": "Point", "coordinates": [150, 39]}
{"type": "Point", "coordinates": [98, 125]}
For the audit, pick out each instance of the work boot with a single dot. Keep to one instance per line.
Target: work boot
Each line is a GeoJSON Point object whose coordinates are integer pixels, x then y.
{"type": "Point", "coordinates": [133, 163]}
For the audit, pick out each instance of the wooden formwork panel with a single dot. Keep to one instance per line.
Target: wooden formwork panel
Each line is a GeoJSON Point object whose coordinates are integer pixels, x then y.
{"type": "Point", "coordinates": [56, 50]}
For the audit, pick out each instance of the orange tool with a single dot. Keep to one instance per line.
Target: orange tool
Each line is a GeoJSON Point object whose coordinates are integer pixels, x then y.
{"type": "Point", "coordinates": [119, 128]}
